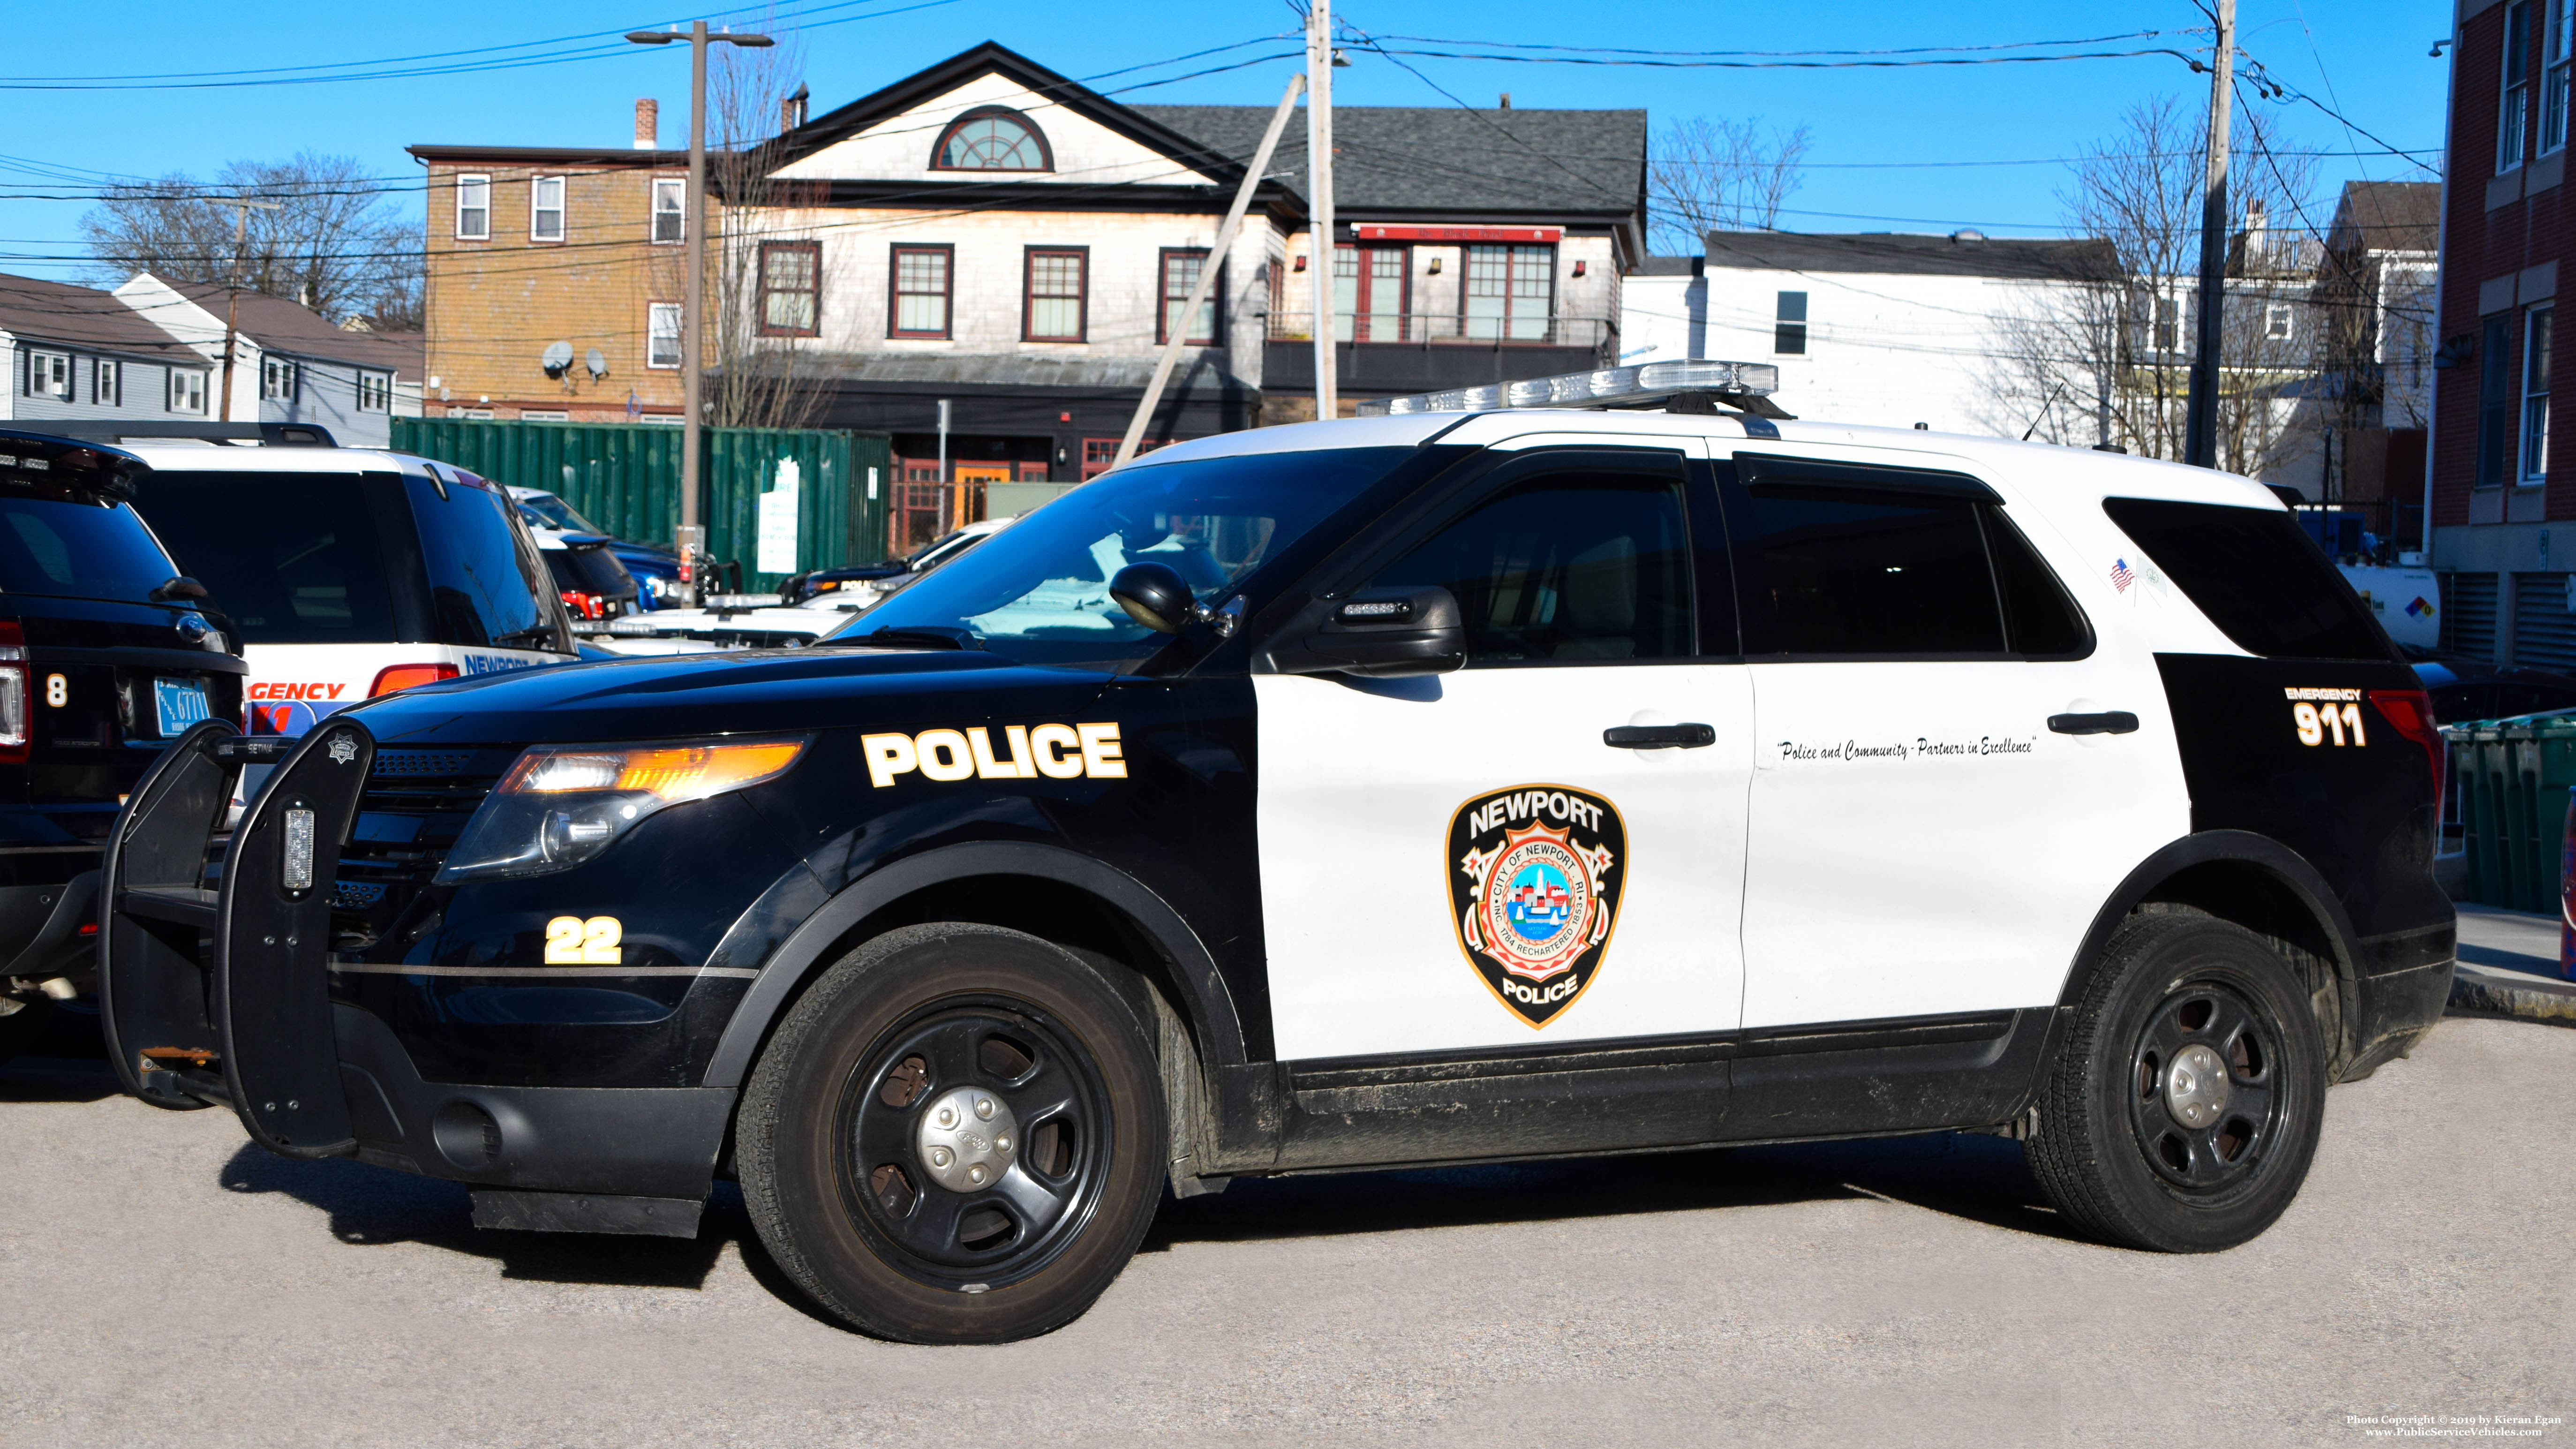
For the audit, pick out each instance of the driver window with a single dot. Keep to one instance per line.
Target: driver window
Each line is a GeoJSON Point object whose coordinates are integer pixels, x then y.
{"type": "Point", "coordinates": [1569, 567]}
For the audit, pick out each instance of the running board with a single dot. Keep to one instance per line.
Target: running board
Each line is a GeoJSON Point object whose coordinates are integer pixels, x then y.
{"type": "Point", "coordinates": [586, 1212]}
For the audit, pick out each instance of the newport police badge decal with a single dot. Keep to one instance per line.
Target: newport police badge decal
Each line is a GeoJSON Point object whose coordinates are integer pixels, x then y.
{"type": "Point", "coordinates": [1534, 878]}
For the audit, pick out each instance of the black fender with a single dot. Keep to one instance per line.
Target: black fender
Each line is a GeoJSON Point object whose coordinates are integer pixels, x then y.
{"type": "Point", "coordinates": [1209, 1005]}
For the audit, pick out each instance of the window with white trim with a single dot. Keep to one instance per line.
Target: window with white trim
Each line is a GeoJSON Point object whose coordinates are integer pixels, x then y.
{"type": "Point", "coordinates": [277, 379]}
{"type": "Point", "coordinates": [2556, 50]}
{"type": "Point", "coordinates": [375, 392]}
{"type": "Point", "coordinates": [2513, 131]}
{"type": "Point", "coordinates": [670, 208]}
{"type": "Point", "coordinates": [662, 335]}
{"type": "Point", "coordinates": [2535, 394]}
{"type": "Point", "coordinates": [473, 208]}
{"type": "Point", "coordinates": [187, 390]}
{"type": "Point", "coordinates": [546, 208]}
{"type": "Point", "coordinates": [49, 374]}
{"type": "Point", "coordinates": [2279, 320]}
{"type": "Point", "coordinates": [106, 383]}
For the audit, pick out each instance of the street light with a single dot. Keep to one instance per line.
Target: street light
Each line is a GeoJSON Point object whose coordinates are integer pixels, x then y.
{"type": "Point", "coordinates": [692, 349]}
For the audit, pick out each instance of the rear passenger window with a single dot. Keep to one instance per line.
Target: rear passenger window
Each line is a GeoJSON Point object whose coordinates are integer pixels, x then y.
{"type": "Point", "coordinates": [2039, 619]}
{"type": "Point", "coordinates": [481, 588]}
{"type": "Point", "coordinates": [2257, 575]}
{"type": "Point", "coordinates": [1570, 567]}
{"type": "Point", "coordinates": [1857, 572]}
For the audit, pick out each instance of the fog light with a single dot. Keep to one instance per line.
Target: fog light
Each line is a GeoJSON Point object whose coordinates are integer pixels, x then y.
{"type": "Point", "coordinates": [299, 850]}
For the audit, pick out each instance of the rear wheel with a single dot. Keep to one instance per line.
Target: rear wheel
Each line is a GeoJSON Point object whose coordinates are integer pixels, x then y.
{"type": "Point", "coordinates": [2183, 1111]}
{"type": "Point", "coordinates": [955, 1137]}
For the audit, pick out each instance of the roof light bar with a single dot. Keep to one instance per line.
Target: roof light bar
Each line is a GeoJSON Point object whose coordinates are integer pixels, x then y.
{"type": "Point", "coordinates": [1604, 387]}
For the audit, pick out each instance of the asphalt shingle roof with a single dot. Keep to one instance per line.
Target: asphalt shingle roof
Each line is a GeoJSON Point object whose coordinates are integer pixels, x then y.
{"type": "Point", "coordinates": [1447, 159]}
{"type": "Point", "coordinates": [2389, 216]}
{"type": "Point", "coordinates": [283, 326]}
{"type": "Point", "coordinates": [41, 311]}
{"type": "Point", "coordinates": [1906, 253]}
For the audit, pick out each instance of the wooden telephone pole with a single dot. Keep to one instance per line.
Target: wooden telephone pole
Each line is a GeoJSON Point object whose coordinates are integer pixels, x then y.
{"type": "Point", "coordinates": [2200, 416]}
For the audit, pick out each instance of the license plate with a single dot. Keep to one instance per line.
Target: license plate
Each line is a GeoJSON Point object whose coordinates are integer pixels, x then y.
{"type": "Point", "coordinates": [179, 703]}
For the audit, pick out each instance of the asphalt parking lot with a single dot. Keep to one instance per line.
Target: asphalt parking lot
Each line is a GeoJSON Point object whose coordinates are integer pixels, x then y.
{"type": "Point", "coordinates": [164, 1283]}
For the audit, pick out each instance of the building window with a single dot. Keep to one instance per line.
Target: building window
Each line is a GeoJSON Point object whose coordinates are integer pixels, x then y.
{"type": "Point", "coordinates": [1054, 308]}
{"type": "Point", "coordinates": [546, 208]}
{"type": "Point", "coordinates": [1789, 329]}
{"type": "Point", "coordinates": [670, 198]}
{"type": "Point", "coordinates": [662, 334]}
{"type": "Point", "coordinates": [2535, 394]}
{"type": "Point", "coordinates": [991, 138]}
{"type": "Point", "coordinates": [544, 415]}
{"type": "Point", "coordinates": [278, 379]}
{"type": "Point", "coordinates": [1509, 291]}
{"type": "Point", "coordinates": [791, 289]}
{"type": "Point", "coordinates": [921, 281]}
{"type": "Point", "coordinates": [2557, 49]}
{"type": "Point", "coordinates": [2495, 399]}
{"type": "Point", "coordinates": [473, 208]}
{"type": "Point", "coordinates": [2512, 130]}
{"type": "Point", "coordinates": [49, 374]}
{"type": "Point", "coordinates": [2277, 321]}
{"type": "Point", "coordinates": [1275, 271]}
{"type": "Point", "coordinates": [1182, 268]}
{"type": "Point", "coordinates": [106, 384]}
{"type": "Point", "coordinates": [2168, 325]}
{"type": "Point", "coordinates": [1369, 293]}
{"type": "Point", "coordinates": [187, 391]}
{"type": "Point", "coordinates": [375, 392]}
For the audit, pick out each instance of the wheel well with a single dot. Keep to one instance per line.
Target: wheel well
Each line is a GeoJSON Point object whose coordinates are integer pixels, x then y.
{"type": "Point", "coordinates": [2248, 895]}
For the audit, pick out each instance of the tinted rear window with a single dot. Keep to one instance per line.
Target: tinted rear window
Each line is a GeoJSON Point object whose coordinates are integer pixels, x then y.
{"type": "Point", "coordinates": [294, 558]}
{"type": "Point", "coordinates": [56, 540]}
{"type": "Point", "coordinates": [482, 588]}
{"type": "Point", "coordinates": [2257, 575]}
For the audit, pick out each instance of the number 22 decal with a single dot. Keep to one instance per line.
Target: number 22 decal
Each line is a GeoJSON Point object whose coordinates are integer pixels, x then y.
{"type": "Point", "coordinates": [2316, 722]}
{"type": "Point", "coordinates": [572, 941]}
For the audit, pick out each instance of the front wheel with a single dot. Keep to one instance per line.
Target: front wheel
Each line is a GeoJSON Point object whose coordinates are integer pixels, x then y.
{"type": "Point", "coordinates": [2183, 1111]}
{"type": "Point", "coordinates": [955, 1137]}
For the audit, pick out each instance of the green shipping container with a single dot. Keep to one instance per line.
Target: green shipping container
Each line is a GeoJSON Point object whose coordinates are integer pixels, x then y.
{"type": "Point", "coordinates": [625, 477]}
{"type": "Point", "coordinates": [2513, 781]}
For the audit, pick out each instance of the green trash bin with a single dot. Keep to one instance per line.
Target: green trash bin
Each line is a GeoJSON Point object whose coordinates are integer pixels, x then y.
{"type": "Point", "coordinates": [2513, 779]}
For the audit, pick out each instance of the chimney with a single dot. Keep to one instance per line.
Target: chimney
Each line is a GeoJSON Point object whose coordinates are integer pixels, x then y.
{"type": "Point", "coordinates": [791, 111]}
{"type": "Point", "coordinates": [648, 125]}
{"type": "Point", "coordinates": [1507, 100]}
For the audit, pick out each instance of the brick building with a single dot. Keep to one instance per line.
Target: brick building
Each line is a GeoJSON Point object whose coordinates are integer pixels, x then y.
{"type": "Point", "coordinates": [529, 246]}
{"type": "Point", "coordinates": [2497, 502]}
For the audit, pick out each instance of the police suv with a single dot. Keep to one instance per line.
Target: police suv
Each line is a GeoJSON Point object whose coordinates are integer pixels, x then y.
{"type": "Point", "coordinates": [1471, 783]}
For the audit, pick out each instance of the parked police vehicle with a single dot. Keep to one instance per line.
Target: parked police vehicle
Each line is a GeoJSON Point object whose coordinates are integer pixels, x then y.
{"type": "Point", "coordinates": [655, 569]}
{"type": "Point", "coordinates": [106, 654]}
{"type": "Point", "coordinates": [1448, 786]}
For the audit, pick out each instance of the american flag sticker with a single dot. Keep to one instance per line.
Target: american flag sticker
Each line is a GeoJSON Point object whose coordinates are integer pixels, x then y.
{"type": "Point", "coordinates": [2121, 578]}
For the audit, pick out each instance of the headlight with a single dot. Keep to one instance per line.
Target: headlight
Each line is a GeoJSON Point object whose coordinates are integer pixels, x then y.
{"type": "Point", "coordinates": [561, 805]}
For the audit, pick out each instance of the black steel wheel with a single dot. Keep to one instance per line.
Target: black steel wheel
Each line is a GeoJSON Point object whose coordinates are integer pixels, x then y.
{"type": "Point", "coordinates": [956, 1136]}
{"type": "Point", "coordinates": [2183, 1109]}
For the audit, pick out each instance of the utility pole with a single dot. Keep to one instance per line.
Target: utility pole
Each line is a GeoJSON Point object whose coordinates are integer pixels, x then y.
{"type": "Point", "coordinates": [1319, 183]}
{"type": "Point", "coordinates": [693, 538]}
{"type": "Point", "coordinates": [1180, 330]}
{"type": "Point", "coordinates": [241, 206]}
{"type": "Point", "coordinates": [2200, 417]}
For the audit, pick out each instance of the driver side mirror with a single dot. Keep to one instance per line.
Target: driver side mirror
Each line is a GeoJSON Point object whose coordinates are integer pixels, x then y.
{"type": "Point", "coordinates": [182, 587]}
{"type": "Point", "coordinates": [1391, 633]}
{"type": "Point", "coordinates": [1156, 596]}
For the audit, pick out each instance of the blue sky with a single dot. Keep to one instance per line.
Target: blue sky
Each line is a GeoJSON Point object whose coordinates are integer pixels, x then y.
{"type": "Point", "coordinates": [1875, 130]}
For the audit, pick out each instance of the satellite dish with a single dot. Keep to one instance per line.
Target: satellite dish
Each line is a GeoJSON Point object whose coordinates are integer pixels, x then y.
{"type": "Point", "coordinates": [556, 358]}
{"type": "Point", "coordinates": [597, 362]}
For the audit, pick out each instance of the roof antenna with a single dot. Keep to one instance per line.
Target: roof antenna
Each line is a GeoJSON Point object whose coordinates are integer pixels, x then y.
{"type": "Point", "coordinates": [2043, 410]}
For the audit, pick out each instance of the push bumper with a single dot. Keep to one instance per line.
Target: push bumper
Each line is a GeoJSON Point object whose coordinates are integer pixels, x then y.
{"type": "Point", "coordinates": [249, 1023]}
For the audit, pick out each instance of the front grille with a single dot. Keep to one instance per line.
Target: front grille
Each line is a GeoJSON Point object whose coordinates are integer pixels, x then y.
{"type": "Point", "coordinates": [415, 805]}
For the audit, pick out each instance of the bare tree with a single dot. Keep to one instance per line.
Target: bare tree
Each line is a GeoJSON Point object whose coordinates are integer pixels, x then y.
{"type": "Point", "coordinates": [764, 373]}
{"type": "Point", "coordinates": [2107, 357]}
{"type": "Point", "coordinates": [1721, 175]}
{"type": "Point", "coordinates": [334, 242]}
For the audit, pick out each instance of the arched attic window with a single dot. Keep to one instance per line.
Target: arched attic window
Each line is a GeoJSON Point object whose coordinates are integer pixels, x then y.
{"type": "Point", "coordinates": [992, 138]}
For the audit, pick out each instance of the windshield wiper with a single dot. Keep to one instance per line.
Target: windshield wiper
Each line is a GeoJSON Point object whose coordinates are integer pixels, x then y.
{"type": "Point", "coordinates": [915, 637]}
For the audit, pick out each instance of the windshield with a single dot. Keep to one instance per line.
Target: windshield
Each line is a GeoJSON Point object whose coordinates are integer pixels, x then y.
{"type": "Point", "coordinates": [547, 511]}
{"type": "Point", "coordinates": [57, 540]}
{"type": "Point", "coordinates": [1038, 591]}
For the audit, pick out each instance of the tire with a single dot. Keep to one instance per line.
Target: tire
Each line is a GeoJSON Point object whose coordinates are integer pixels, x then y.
{"type": "Point", "coordinates": [22, 1029]}
{"type": "Point", "coordinates": [2182, 1112]}
{"type": "Point", "coordinates": [923, 1229]}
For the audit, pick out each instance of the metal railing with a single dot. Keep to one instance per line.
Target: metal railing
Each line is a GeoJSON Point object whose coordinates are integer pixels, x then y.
{"type": "Point", "coordinates": [1450, 329]}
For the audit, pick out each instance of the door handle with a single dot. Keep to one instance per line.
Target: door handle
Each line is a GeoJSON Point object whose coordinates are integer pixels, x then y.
{"type": "Point", "coordinates": [2109, 722]}
{"type": "Point", "coordinates": [1659, 737]}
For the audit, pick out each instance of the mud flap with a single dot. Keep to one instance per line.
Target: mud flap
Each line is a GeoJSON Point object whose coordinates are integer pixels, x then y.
{"type": "Point", "coordinates": [272, 1005]}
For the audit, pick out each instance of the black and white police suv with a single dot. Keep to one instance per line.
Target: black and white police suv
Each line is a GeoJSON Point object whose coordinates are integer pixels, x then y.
{"type": "Point", "coordinates": [1427, 788]}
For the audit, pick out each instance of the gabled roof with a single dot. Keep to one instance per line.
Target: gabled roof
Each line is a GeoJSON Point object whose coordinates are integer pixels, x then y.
{"type": "Point", "coordinates": [1909, 254]}
{"type": "Point", "coordinates": [35, 310]}
{"type": "Point", "coordinates": [994, 58]}
{"type": "Point", "coordinates": [1410, 159]}
{"type": "Point", "coordinates": [2388, 216]}
{"type": "Point", "coordinates": [279, 325]}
